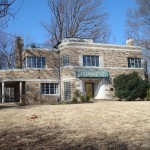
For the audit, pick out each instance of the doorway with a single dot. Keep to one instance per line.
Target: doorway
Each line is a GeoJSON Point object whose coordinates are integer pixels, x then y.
{"type": "Point", "coordinates": [89, 89]}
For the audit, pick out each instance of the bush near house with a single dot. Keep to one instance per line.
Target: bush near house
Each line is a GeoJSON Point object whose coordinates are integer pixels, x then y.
{"type": "Point", "coordinates": [75, 100]}
{"type": "Point", "coordinates": [148, 95]}
{"type": "Point", "coordinates": [78, 95]}
{"type": "Point", "coordinates": [130, 86]}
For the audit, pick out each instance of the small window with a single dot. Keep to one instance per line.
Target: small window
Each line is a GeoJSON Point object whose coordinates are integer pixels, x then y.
{"type": "Point", "coordinates": [67, 91]}
{"type": "Point", "coordinates": [66, 60]}
{"type": "Point", "coordinates": [134, 62]}
{"type": "Point", "coordinates": [91, 61]}
{"type": "Point", "coordinates": [35, 62]}
{"type": "Point", "coordinates": [49, 88]}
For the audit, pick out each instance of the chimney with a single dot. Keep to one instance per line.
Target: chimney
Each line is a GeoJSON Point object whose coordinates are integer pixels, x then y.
{"type": "Point", "coordinates": [130, 42]}
{"type": "Point", "coordinates": [19, 49]}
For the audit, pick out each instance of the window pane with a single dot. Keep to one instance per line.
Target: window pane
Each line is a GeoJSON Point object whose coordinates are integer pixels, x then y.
{"type": "Point", "coordinates": [88, 61]}
{"type": "Point", "coordinates": [129, 63]}
{"type": "Point", "coordinates": [139, 62]}
{"type": "Point", "coordinates": [33, 62]}
{"type": "Point", "coordinates": [39, 61]}
{"type": "Point", "coordinates": [43, 62]}
{"type": "Point", "coordinates": [136, 63]}
{"type": "Point", "coordinates": [84, 60]}
{"type": "Point", "coordinates": [93, 61]}
{"type": "Point", "coordinates": [66, 60]}
{"type": "Point", "coordinates": [52, 88]}
{"type": "Point", "coordinates": [47, 88]}
{"type": "Point", "coordinates": [29, 63]}
{"type": "Point", "coordinates": [97, 61]}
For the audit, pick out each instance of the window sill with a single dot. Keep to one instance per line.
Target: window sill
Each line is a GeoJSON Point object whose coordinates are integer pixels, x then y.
{"type": "Point", "coordinates": [50, 94]}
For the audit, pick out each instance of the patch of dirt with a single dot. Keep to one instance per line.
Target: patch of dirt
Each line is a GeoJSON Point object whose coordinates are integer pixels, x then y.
{"type": "Point", "coordinates": [103, 125]}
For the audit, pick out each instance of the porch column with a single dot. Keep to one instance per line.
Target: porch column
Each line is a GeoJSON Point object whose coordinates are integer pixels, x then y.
{"type": "Point", "coordinates": [20, 91]}
{"type": "Point", "coordinates": [3, 92]}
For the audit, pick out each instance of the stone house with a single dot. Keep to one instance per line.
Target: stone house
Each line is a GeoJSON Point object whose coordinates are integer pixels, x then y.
{"type": "Point", "coordinates": [50, 75]}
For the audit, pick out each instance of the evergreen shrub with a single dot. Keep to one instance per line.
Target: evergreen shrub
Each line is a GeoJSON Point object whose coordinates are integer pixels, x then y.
{"type": "Point", "coordinates": [130, 86]}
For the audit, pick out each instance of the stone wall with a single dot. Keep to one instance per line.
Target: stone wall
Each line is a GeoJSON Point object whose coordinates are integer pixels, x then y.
{"type": "Point", "coordinates": [51, 56]}
{"type": "Point", "coordinates": [34, 96]}
{"type": "Point", "coordinates": [111, 57]}
{"type": "Point", "coordinates": [20, 74]}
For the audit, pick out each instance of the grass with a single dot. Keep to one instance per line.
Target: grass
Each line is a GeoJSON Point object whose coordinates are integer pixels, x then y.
{"type": "Point", "coordinates": [104, 125]}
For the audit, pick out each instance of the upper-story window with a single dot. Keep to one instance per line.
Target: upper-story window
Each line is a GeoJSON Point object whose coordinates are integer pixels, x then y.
{"type": "Point", "coordinates": [90, 60]}
{"type": "Point", "coordinates": [35, 62]}
{"type": "Point", "coordinates": [66, 60]}
{"type": "Point", "coordinates": [134, 62]}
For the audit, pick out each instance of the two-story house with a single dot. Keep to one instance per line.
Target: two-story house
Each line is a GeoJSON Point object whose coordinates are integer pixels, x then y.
{"type": "Point", "coordinates": [48, 75]}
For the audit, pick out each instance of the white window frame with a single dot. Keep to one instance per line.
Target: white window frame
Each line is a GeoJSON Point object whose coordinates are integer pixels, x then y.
{"type": "Point", "coordinates": [95, 59]}
{"type": "Point", "coordinates": [44, 91]}
{"type": "Point", "coordinates": [36, 63]}
{"type": "Point", "coordinates": [66, 60]}
{"type": "Point", "coordinates": [132, 62]}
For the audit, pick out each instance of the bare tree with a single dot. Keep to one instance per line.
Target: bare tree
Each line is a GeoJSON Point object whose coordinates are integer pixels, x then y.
{"type": "Point", "coordinates": [7, 52]}
{"type": "Point", "coordinates": [77, 18]}
{"type": "Point", "coordinates": [6, 12]}
{"type": "Point", "coordinates": [138, 23]}
{"type": "Point", "coordinates": [138, 26]}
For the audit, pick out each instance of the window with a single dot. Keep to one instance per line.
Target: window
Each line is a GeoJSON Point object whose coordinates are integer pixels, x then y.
{"type": "Point", "coordinates": [66, 60]}
{"type": "Point", "coordinates": [67, 91]}
{"type": "Point", "coordinates": [134, 62]}
{"type": "Point", "coordinates": [91, 61]}
{"type": "Point", "coordinates": [49, 88]}
{"type": "Point", "coordinates": [35, 62]}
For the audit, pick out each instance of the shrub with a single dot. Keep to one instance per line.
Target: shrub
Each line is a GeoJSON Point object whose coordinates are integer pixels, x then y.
{"type": "Point", "coordinates": [87, 98]}
{"type": "Point", "coordinates": [148, 95]}
{"type": "Point", "coordinates": [130, 86]}
{"type": "Point", "coordinates": [82, 98]}
{"type": "Point", "coordinates": [77, 93]}
{"type": "Point", "coordinates": [74, 100]}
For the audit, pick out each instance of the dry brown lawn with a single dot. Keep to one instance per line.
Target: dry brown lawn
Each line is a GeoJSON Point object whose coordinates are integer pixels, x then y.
{"type": "Point", "coordinates": [104, 125]}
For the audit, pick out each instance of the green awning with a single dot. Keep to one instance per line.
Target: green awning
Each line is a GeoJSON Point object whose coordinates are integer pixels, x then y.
{"type": "Point", "coordinates": [91, 73]}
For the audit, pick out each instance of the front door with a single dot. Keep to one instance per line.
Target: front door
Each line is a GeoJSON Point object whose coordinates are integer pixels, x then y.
{"type": "Point", "coordinates": [89, 89]}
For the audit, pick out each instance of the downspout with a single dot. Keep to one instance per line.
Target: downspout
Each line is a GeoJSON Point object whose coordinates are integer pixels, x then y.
{"type": "Point", "coordinates": [59, 73]}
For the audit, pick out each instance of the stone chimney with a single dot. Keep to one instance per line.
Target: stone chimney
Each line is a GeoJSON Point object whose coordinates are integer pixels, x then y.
{"type": "Point", "coordinates": [130, 42]}
{"type": "Point", "coordinates": [19, 49]}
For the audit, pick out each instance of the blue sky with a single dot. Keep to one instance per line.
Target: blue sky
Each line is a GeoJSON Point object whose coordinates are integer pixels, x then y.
{"type": "Point", "coordinates": [33, 11]}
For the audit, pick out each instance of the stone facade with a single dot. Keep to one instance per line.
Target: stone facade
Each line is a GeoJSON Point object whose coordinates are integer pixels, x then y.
{"type": "Point", "coordinates": [113, 59]}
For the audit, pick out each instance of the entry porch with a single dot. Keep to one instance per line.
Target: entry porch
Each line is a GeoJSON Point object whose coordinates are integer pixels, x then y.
{"type": "Point", "coordinates": [12, 91]}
